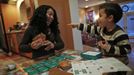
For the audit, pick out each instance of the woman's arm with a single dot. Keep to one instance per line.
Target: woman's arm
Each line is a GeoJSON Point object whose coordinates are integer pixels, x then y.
{"type": "Point", "coordinates": [58, 44]}
{"type": "Point", "coordinates": [25, 45]}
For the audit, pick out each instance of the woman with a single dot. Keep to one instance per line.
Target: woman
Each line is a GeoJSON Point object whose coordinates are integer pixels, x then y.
{"type": "Point", "coordinates": [43, 22]}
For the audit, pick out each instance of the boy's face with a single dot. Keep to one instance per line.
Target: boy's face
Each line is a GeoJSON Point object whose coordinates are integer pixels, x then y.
{"type": "Point", "coordinates": [103, 19]}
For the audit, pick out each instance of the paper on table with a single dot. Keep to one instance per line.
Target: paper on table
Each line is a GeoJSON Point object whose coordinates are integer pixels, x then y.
{"type": "Point", "coordinates": [122, 67]}
{"type": "Point", "coordinates": [112, 65]}
{"type": "Point", "coordinates": [45, 73]}
{"type": "Point", "coordinates": [98, 67]}
{"type": "Point", "coordinates": [70, 70]}
{"type": "Point", "coordinates": [82, 68]}
{"type": "Point", "coordinates": [78, 67]}
{"type": "Point", "coordinates": [110, 60]}
{"type": "Point", "coordinates": [92, 67]}
{"type": "Point", "coordinates": [93, 70]}
{"type": "Point", "coordinates": [105, 68]}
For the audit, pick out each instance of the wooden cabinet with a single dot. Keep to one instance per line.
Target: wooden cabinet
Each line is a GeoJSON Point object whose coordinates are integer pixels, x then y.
{"type": "Point", "coordinates": [14, 39]}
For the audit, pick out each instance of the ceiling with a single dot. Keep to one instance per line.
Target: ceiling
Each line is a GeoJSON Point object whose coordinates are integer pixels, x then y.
{"type": "Point", "coordinates": [81, 3]}
{"type": "Point", "coordinates": [8, 1]}
{"type": "Point", "coordinates": [89, 3]}
{"type": "Point", "coordinates": [3, 1]}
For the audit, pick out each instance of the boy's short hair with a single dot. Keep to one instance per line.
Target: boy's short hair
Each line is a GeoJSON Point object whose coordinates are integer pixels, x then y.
{"type": "Point", "coordinates": [112, 9]}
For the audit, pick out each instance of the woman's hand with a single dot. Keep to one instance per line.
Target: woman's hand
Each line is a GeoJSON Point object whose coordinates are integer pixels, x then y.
{"type": "Point", "coordinates": [36, 43]}
{"type": "Point", "coordinates": [39, 42]}
{"type": "Point", "coordinates": [49, 45]}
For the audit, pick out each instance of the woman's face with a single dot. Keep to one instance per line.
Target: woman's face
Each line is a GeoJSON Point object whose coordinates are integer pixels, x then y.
{"type": "Point", "coordinates": [50, 16]}
{"type": "Point", "coordinates": [103, 19]}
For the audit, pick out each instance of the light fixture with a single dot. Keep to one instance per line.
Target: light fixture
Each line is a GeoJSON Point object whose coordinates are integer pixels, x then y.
{"type": "Point", "coordinates": [86, 0]}
{"type": "Point", "coordinates": [14, 0]}
{"type": "Point", "coordinates": [86, 6]}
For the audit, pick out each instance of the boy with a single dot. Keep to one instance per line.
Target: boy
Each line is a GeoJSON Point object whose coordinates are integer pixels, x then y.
{"type": "Point", "coordinates": [113, 41]}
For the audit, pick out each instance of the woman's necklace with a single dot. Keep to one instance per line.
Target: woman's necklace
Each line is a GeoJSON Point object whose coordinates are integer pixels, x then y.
{"type": "Point", "coordinates": [49, 31]}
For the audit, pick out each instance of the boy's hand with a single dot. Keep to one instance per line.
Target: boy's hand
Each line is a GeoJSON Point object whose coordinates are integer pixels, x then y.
{"type": "Point", "coordinates": [104, 45]}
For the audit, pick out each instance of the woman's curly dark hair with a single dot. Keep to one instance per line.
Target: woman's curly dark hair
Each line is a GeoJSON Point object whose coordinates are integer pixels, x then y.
{"type": "Point", "coordinates": [39, 19]}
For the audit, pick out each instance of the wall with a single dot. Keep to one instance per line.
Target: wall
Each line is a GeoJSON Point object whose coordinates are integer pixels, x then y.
{"type": "Point", "coordinates": [74, 11]}
{"type": "Point", "coordinates": [10, 15]}
{"type": "Point", "coordinates": [0, 7]}
{"type": "Point", "coordinates": [82, 14]}
{"type": "Point", "coordinates": [63, 13]}
{"type": "Point", "coordinates": [23, 15]}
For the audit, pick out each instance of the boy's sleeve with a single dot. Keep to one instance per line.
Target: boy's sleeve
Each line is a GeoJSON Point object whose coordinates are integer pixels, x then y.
{"type": "Point", "coordinates": [121, 46]}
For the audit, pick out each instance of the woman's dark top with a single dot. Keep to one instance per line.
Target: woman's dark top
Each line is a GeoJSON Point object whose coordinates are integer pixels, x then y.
{"type": "Point", "coordinates": [30, 33]}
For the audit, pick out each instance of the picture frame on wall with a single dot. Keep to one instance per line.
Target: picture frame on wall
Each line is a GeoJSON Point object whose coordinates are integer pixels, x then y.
{"type": "Point", "coordinates": [89, 16]}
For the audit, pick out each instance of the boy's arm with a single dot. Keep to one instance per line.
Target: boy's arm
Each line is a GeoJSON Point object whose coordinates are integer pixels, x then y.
{"type": "Point", "coordinates": [120, 47]}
